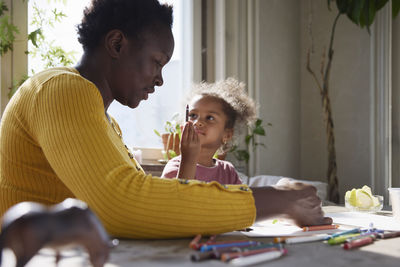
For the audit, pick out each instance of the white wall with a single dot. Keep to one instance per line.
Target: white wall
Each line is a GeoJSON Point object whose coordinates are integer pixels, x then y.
{"type": "Point", "coordinates": [279, 81]}
{"type": "Point", "coordinates": [350, 98]}
{"type": "Point", "coordinates": [290, 100]}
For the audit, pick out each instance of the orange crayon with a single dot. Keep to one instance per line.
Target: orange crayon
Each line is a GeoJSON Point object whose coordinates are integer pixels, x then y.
{"type": "Point", "coordinates": [279, 239]}
{"type": "Point", "coordinates": [320, 227]}
{"type": "Point", "coordinates": [194, 243]}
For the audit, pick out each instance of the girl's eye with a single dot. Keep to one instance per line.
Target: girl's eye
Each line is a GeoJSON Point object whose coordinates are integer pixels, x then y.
{"type": "Point", "coordinates": [192, 116]}
{"type": "Point", "coordinates": [210, 118]}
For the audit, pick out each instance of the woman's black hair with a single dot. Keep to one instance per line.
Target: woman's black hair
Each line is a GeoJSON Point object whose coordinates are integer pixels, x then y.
{"type": "Point", "coordinates": [129, 16]}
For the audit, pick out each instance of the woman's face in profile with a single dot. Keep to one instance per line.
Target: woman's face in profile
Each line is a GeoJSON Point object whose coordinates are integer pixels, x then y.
{"type": "Point", "coordinates": [139, 68]}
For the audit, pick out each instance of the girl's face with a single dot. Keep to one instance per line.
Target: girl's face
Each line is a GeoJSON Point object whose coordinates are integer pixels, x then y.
{"type": "Point", "coordinates": [209, 121]}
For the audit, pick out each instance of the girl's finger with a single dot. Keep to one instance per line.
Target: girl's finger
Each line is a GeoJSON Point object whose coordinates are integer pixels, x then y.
{"type": "Point", "coordinates": [196, 138]}
{"type": "Point", "coordinates": [186, 131]}
{"type": "Point", "coordinates": [190, 131]}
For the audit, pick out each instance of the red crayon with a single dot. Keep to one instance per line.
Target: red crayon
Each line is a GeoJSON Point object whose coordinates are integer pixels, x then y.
{"type": "Point", "coordinates": [194, 244]}
{"type": "Point", "coordinates": [358, 242]}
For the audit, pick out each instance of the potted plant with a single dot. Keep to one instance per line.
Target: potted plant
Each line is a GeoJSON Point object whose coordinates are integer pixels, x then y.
{"type": "Point", "coordinates": [171, 137]}
{"type": "Point", "coordinates": [243, 154]}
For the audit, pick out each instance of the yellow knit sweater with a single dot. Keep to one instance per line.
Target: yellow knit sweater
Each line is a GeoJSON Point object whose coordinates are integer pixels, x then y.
{"type": "Point", "coordinates": [56, 142]}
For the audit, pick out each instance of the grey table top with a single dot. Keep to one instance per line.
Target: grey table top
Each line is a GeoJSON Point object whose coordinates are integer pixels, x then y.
{"type": "Point", "coordinates": [177, 253]}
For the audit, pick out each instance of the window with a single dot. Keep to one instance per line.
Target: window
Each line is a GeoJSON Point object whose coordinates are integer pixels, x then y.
{"type": "Point", "coordinates": [137, 124]}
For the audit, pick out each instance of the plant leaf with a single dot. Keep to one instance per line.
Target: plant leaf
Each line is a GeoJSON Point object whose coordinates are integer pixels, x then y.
{"type": "Point", "coordinates": [395, 8]}
{"type": "Point", "coordinates": [33, 36]}
{"type": "Point", "coordinates": [356, 11]}
{"type": "Point", "coordinates": [259, 130]}
{"type": "Point", "coordinates": [343, 5]}
{"type": "Point", "coordinates": [248, 138]}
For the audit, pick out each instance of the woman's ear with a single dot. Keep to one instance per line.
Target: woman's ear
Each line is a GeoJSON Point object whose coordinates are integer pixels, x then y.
{"type": "Point", "coordinates": [114, 40]}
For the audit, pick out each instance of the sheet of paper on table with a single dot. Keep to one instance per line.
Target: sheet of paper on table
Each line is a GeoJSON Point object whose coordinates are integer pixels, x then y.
{"type": "Point", "coordinates": [346, 220]}
{"type": "Point", "coordinates": [275, 228]}
{"type": "Point", "coordinates": [364, 220]}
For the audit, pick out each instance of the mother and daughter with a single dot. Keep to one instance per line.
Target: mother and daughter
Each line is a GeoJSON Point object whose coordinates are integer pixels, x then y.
{"type": "Point", "coordinates": [57, 140]}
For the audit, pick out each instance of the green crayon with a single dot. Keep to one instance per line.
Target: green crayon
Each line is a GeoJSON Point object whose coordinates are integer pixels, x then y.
{"type": "Point", "coordinates": [340, 239]}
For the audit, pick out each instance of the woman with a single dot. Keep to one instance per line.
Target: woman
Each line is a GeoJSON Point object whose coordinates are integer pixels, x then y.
{"type": "Point", "coordinates": [57, 141]}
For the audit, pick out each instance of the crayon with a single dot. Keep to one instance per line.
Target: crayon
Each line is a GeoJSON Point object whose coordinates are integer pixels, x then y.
{"type": "Point", "coordinates": [258, 258]}
{"type": "Point", "coordinates": [217, 252]}
{"type": "Point", "coordinates": [233, 255]}
{"type": "Point", "coordinates": [305, 239]}
{"type": "Point", "coordinates": [340, 239]}
{"type": "Point", "coordinates": [187, 113]}
{"type": "Point", "coordinates": [363, 235]}
{"type": "Point", "coordinates": [193, 244]}
{"type": "Point", "coordinates": [267, 245]}
{"type": "Point", "coordinates": [279, 239]}
{"type": "Point", "coordinates": [385, 235]}
{"type": "Point", "coordinates": [209, 247]}
{"type": "Point", "coordinates": [351, 231]}
{"type": "Point", "coordinates": [211, 240]}
{"type": "Point", "coordinates": [320, 227]}
{"type": "Point", "coordinates": [358, 242]}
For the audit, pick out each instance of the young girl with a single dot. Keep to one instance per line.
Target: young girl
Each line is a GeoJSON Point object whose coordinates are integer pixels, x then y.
{"type": "Point", "coordinates": [216, 111]}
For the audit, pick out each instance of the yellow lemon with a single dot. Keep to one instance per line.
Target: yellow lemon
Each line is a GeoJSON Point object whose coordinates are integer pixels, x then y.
{"type": "Point", "coordinates": [367, 189]}
{"type": "Point", "coordinates": [363, 199]}
{"type": "Point", "coordinates": [351, 197]}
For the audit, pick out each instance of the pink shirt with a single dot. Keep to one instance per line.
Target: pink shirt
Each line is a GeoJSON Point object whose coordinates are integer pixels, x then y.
{"type": "Point", "coordinates": [222, 172]}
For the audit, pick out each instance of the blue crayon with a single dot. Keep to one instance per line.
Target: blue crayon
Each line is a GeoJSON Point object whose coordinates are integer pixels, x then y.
{"type": "Point", "coordinates": [247, 248]}
{"type": "Point", "coordinates": [351, 231]}
{"type": "Point", "coordinates": [233, 244]}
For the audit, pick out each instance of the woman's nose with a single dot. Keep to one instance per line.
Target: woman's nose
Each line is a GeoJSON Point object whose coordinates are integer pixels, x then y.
{"type": "Point", "coordinates": [159, 80]}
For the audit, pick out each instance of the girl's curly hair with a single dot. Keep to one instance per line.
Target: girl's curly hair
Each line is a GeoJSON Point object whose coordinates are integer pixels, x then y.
{"type": "Point", "coordinates": [238, 107]}
{"type": "Point", "coordinates": [129, 16]}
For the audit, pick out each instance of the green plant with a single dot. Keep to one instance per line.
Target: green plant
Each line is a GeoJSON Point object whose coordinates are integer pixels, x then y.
{"type": "Point", "coordinates": [173, 126]}
{"type": "Point", "coordinates": [43, 47]}
{"type": "Point", "coordinates": [243, 154]}
{"type": "Point", "coordinates": [7, 30]}
{"type": "Point", "coordinates": [171, 136]}
{"type": "Point", "coordinates": [362, 13]}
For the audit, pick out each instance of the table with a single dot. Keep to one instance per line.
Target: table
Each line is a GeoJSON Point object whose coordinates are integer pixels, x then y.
{"type": "Point", "coordinates": [153, 167]}
{"type": "Point", "coordinates": [177, 253]}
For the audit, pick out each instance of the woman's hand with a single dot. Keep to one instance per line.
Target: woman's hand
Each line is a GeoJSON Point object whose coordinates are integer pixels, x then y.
{"type": "Point", "coordinates": [190, 150]}
{"type": "Point", "coordinates": [295, 200]}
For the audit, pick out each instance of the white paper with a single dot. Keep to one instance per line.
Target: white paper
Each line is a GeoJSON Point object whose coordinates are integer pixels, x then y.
{"type": "Point", "coordinates": [364, 220]}
{"type": "Point", "coordinates": [281, 228]}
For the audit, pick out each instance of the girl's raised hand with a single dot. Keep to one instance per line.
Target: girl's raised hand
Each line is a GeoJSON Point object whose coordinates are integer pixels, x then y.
{"type": "Point", "coordinates": [190, 143]}
{"type": "Point", "coordinates": [190, 150]}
